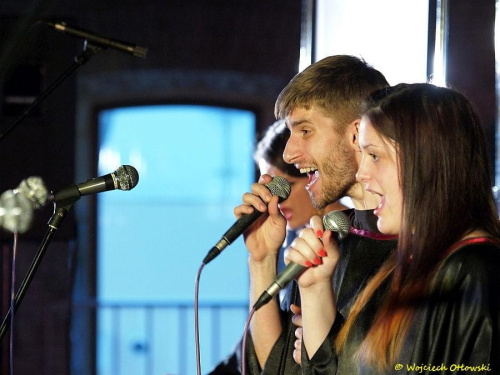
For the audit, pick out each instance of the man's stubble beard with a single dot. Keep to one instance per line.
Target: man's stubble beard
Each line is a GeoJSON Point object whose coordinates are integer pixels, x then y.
{"type": "Point", "coordinates": [337, 177]}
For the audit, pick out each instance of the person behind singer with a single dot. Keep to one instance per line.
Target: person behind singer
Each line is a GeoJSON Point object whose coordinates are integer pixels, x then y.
{"type": "Point", "coordinates": [320, 106]}
{"type": "Point", "coordinates": [434, 303]}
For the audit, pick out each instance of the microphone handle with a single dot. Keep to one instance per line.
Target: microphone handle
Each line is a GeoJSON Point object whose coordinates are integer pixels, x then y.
{"type": "Point", "coordinates": [241, 225]}
{"type": "Point", "coordinates": [232, 233]}
{"type": "Point", "coordinates": [98, 40]}
{"type": "Point", "coordinates": [291, 271]}
{"type": "Point", "coordinates": [97, 185]}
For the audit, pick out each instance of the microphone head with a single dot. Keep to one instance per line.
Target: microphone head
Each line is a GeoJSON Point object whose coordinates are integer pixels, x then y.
{"type": "Point", "coordinates": [337, 222]}
{"type": "Point", "coordinates": [280, 187]}
{"type": "Point", "coordinates": [16, 211]}
{"type": "Point", "coordinates": [34, 189]}
{"type": "Point", "coordinates": [126, 177]}
{"type": "Point", "coordinates": [140, 51]}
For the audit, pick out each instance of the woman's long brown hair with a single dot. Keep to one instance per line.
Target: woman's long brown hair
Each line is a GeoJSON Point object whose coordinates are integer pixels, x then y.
{"type": "Point", "coordinates": [447, 192]}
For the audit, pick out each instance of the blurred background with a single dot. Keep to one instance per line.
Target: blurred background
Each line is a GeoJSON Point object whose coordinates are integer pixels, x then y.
{"type": "Point", "coordinates": [114, 291]}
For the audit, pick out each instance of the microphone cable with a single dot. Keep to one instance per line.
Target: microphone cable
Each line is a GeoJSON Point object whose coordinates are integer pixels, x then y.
{"type": "Point", "coordinates": [196, 319]}
{"type": "Point", "coordinates": [244, 342]}
{"type": "Point", "coordinates": [12, 302]}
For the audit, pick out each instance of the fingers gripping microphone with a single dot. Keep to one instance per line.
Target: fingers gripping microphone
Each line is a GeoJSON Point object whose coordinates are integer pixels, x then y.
{"type": "Point", "coordinates": [99, 40]}
{"type": "Point", "coordinates": [337, 222]}
{"type": "Point", "coordinates": [278, 186]}
{"type": "Point", "coordinates": [125, 177]}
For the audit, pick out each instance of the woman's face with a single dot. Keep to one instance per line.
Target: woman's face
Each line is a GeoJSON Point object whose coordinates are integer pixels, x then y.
{"type": "Point", "coordinates": [378, 172]}
{"type": "Point", "coordinates": [297, 208]}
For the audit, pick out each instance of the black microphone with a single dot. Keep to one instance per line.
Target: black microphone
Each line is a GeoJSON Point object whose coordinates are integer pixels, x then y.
{"type": "Point", "coordinates": [278, 186]}
{"type": "Point", "coordinates": [125, 177]}
{"type": "Point", "coordinates": [337, 222]}
{"type": "Point", "coordinates": [99, 40]}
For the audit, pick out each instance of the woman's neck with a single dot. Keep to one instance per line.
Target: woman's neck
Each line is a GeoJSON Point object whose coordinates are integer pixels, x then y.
{"type": "Point", "coordinates": [475, 233]}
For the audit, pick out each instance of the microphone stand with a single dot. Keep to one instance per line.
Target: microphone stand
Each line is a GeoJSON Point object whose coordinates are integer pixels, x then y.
{"type": "Point", "coordinates": [54, 224]}
{"type": "Point", "coordinates": [89, 50]}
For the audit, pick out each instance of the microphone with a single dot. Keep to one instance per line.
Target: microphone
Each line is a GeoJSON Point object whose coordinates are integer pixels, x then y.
{"type": "Point", "coordinates": [277, 186]}
{"type": "Point", "coordinates": [17, 205]}
{"type": "Point", "coordinates": [99, 40]}
{"type": "Point", "coordinates": [125, 177]}
{"type": "Point", "coordinates": [337, 222]}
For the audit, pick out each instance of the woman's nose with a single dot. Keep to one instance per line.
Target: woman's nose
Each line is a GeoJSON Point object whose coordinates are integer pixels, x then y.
{"type": "Point", "coordinates": [362, 173]}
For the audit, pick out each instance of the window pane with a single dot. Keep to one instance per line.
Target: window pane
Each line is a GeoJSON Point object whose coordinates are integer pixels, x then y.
{"type": "Point", "coordinates": [391, 35]}
{"type": "Point", "coordinates": [194, 164]}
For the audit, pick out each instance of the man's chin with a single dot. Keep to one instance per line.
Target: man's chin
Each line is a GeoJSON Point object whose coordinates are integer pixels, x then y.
{"type": "Point", "coordinates": [321, 201]}
{"type": "Point", "coordinates": [317, 202]}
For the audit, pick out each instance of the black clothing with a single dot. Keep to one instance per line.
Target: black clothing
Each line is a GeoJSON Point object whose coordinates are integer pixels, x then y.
{"type": "Point", "coordinates": [458, 325]}
{"type": "Point", "coordinates": [361, 254]}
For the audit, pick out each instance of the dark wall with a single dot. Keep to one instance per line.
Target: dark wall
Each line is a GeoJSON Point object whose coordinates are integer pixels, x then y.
{"type": "Point", "coordinates": [239, 53]}
{"type": "Point", "coordinates": [471, 60]}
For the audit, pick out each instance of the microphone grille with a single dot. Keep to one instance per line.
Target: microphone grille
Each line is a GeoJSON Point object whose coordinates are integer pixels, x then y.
{"type": "Point", "coordinates": [127, 177]}
{"type": "Point", "coordinates": [35, 190]}
{"type": "Point", "coordinates": [17, 211]}
{"type": "Point", "coordinates": [140, 51]}
{"type": "Point", "coordinates": [338, 222]}
{"type": "Point", "coordinates": [17, 205]}
{"type": "Point", "coordinates": [280, 187]}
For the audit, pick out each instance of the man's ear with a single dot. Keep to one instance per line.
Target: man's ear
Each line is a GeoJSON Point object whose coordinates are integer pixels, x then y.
{"type": "Point", "coordinates": [353, 133]}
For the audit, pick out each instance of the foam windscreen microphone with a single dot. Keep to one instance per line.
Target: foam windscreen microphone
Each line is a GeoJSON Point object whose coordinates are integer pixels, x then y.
{"type": "Point", "coordinates": [277, 186]}
{"type": "Point", "coordinates": [17, 205]}
{"type": "Point", "coordinates": [338, 223]}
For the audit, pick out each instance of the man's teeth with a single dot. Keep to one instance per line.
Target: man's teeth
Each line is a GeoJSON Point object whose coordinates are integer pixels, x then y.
{"type": "Point", "coordinates": [307, 170]}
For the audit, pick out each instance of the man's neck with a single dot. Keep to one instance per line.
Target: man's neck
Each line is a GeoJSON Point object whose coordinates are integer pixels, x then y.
{"type": "Point", "coordinates": [362, 199]}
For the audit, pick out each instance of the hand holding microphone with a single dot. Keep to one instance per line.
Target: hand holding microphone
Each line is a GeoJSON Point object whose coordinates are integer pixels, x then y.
{"type": "Point", "coordinates": [278, 186]}
{"type": "Point", "coordinates": [311, 245]}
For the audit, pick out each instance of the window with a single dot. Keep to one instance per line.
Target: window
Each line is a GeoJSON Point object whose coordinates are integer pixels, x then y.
{"type": "Point", "coordinates": [194, 164]}
{"type": "Point", "coordinates": [391, 35]}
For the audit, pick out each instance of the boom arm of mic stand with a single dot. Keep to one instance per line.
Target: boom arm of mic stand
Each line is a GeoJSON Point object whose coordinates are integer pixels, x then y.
{"type": "Point", "coordinates": [81, 59]}
{"type": "Point", "coordinates": [54, 224]}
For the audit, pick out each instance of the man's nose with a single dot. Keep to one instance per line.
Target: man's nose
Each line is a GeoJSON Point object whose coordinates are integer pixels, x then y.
{"type": "Point", "coordinates": [291, 151]}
